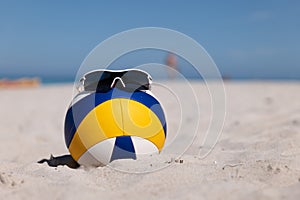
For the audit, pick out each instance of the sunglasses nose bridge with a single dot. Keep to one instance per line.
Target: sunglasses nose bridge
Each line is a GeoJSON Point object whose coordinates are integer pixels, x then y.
{"type": "Point", "coordinates": [117, 79]}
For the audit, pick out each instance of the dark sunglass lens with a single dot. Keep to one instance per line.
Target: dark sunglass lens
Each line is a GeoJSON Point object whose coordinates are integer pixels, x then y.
{"type": "Point", "coordinates": [132, 80]}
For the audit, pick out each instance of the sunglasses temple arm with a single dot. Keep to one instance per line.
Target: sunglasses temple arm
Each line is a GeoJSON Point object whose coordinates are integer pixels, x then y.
{"type": "Point", "coordinates": [80, 86]}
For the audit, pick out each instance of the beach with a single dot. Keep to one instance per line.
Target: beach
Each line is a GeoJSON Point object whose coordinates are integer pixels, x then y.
{"type": "Point", "coordinates": [257, 155]}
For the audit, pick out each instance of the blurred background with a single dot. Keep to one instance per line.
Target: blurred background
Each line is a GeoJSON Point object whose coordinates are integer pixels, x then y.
{"type": "Point", "coordinates": [246, 39]}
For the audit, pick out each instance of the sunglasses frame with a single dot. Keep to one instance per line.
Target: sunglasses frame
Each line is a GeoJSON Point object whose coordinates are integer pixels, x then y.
{"type": "Point", "coordinates": [113, 79]}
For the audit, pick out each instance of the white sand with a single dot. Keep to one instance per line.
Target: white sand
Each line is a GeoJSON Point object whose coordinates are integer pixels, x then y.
{"type": "Point", "coordinates": [257, 157]}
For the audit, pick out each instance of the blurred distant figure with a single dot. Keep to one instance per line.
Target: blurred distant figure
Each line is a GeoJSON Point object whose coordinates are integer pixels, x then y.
{"type": "Point", "coordinates": [171, 61]}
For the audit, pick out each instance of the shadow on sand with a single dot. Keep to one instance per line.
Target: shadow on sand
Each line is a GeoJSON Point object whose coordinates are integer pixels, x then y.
{"type": "Point", "coordinates": [61, 160]}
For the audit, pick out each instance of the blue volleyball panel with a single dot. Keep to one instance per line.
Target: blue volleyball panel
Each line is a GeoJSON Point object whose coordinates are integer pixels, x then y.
{"type": "Point", "coordinates": [123, 149]}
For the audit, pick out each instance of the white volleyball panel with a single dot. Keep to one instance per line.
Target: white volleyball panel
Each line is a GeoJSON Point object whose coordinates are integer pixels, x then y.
{"type": "Point", "coordinates": [87, 159]}
{"type": "Point", "coordinates": [103, 150]}
{"type": "Point", "coordinates": [143, 146]}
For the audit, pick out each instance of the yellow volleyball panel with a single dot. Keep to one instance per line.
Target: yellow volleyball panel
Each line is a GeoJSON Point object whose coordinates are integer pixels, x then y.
{"type": "Point", "coordinates": [141, 121]}
{"type": "Point", "coordinates": [103, 122]}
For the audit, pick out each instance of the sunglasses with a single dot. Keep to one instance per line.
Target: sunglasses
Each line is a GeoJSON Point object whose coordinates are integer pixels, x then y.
{"type": "Point", "coordinates": [129, 80]}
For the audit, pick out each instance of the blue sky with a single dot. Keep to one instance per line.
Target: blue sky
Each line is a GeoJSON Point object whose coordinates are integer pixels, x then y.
{"type": "Point", "coordinates": [246, 39]}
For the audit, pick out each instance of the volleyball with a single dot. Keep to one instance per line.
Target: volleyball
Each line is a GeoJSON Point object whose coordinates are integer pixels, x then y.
{"type": "Point", "coordinates": [101, 127]}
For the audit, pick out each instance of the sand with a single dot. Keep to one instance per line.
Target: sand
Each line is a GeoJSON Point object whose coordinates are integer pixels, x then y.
{"type": "Point", "coordinates": [256, 157]}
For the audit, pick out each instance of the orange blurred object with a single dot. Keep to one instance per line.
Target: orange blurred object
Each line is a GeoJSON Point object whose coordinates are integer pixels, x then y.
{"type": "Point", "coordinates": [20, 83]}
